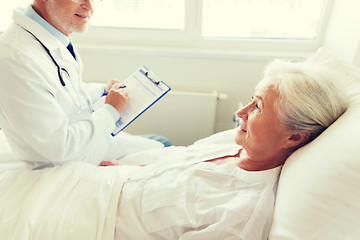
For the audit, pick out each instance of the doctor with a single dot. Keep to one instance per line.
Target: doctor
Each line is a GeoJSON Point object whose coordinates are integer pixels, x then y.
{"type": "Point", "coordinates": [46, 111]}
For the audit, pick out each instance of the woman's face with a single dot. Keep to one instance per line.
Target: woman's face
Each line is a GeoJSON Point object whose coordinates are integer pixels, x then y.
{"type": "Point", "coordinates": [259, 129]}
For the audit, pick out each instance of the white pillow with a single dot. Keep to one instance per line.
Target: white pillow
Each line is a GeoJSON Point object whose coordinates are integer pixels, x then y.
{"type": "Point", "coordinates": [319, 189]}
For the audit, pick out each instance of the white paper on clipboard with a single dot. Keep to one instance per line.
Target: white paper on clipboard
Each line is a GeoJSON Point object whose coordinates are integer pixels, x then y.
{"type": "Point", "coordinates": [144, 89]}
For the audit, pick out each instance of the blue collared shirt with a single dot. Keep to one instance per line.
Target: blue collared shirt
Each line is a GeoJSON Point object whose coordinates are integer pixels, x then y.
{"type": "Point", "coordinates": [30, 12]}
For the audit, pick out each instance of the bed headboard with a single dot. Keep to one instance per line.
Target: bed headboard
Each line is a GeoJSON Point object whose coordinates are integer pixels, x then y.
{"type": "Point", "coordinates": [319, 189]}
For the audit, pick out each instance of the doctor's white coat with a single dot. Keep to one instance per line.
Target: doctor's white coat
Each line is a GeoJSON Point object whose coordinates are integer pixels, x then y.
{"type": "Point", "coordinates": [45, 122]}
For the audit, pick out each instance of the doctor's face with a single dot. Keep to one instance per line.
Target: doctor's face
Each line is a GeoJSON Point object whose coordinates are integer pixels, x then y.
{"type": "Point", "coordinates": [259, 130]}
{"type": "Point", "coordinates": [69, 16]}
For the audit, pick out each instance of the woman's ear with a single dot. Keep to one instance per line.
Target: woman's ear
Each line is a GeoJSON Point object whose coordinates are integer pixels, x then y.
{"type": "Point", "coordinates": [296, 139]}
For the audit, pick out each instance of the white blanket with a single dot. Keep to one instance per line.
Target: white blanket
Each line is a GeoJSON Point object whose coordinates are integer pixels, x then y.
{"type": "Point", "coordinates": [76, 201]}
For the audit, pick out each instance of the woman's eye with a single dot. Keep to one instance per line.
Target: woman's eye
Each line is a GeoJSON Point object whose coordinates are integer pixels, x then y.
{"type": "Point", "coordinates": [256, 106]}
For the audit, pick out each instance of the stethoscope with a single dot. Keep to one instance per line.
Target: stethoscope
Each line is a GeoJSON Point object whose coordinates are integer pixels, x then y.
{"type": "Point", "coordinates": [61, 72]}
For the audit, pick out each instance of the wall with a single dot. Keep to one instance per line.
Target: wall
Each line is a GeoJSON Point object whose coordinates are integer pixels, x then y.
{"type": "Point", "coordinates": [236, 75]}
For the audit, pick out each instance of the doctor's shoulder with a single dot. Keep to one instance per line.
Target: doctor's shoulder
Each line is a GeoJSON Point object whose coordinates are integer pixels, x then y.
{"type": "Point", "coordinates": [23, 60]}
{"type": "Point", "coordinates": [17, 44]}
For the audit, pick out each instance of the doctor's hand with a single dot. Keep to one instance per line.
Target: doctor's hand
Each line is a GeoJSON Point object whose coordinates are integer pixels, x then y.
{"type": "Point", "coordinates": [110, 84]}
{"type": "Point", "coordinates": [117, 97]}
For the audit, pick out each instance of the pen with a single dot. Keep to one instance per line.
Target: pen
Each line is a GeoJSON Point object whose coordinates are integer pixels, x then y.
{"type": "Point", "coordinates": [105, 93]}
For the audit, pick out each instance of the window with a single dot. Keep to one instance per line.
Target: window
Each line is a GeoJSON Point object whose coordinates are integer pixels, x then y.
{"type": "Point", "coordinates": [223, 24]}
{"type": "Point", "coordinates": [152, 14]}
{"type": "Point", "coordinates": [203, 23]}
{"type": "Point", "coordinates": [274, 19]}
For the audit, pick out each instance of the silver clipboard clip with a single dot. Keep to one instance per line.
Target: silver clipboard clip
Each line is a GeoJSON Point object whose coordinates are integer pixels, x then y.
{"type": "Point", "coordinates": [151, 76]}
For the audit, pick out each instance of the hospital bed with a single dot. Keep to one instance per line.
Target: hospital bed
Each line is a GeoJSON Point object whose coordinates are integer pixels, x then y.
{"type": "Point", "coordinates": [318, 194]}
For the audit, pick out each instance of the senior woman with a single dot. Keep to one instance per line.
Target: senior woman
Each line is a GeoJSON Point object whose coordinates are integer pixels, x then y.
{"type": "Point", "coordinates": [219, 190]}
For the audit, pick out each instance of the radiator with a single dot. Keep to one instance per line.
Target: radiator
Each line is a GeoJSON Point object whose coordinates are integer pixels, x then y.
{"type": "Point", "coordinates": [183, 117]}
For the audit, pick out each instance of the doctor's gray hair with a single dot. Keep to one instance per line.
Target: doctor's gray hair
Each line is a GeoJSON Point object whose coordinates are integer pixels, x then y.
{"type": "Point", "coordinates": [310, 99]}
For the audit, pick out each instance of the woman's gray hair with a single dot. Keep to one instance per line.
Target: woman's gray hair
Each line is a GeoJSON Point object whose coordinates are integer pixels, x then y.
{"type": "Point", "coordinates": [310, 98]}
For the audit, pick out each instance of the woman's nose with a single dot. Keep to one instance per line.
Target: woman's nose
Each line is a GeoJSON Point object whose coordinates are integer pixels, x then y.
{"type": "Point", "coordinates": [242, 113]}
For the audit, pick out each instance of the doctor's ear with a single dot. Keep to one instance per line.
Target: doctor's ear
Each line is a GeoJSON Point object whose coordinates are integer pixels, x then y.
{"type": "Point", "coordinates": [297, 139]}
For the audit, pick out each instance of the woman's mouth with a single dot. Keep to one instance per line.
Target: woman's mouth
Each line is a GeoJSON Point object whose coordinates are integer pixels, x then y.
{"type": "Point", "coordinates": [242, 129]}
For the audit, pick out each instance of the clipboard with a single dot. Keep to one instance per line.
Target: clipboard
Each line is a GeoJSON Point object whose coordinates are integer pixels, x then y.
{"type": "Point", "coordinates": [144, 89]}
